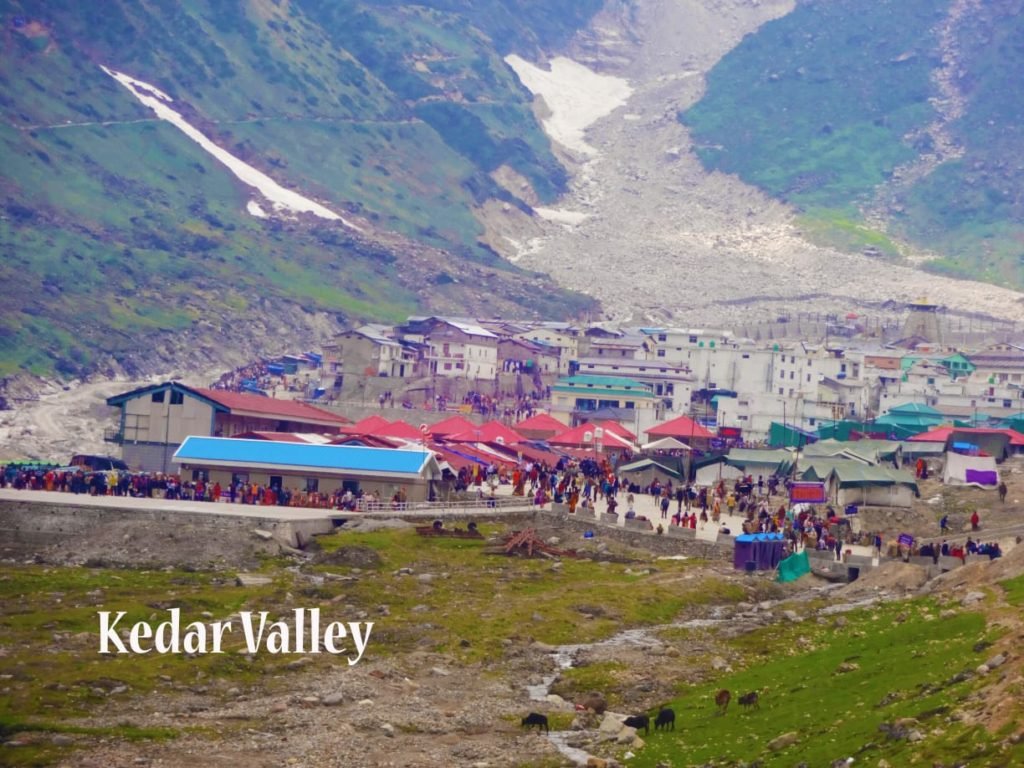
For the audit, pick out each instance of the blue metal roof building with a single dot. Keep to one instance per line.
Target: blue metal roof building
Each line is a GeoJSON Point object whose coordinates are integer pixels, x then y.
{"type": "Point", "coordinates": [302, 466]}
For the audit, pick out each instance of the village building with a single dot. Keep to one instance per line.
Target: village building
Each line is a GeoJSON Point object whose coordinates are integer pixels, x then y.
{"type": "Point", "coordinates": [527, 357]}
{"type": "Point", "coordinates": [368, 351]}
{"type": "Point", "coordinates": [413, 474]}
{"type": "Point", "coordinates": [561, 336]}
{"type": "Point", "coordinates": [673, 385]}
{"type": "Point", "coordinates": [574, 399]}
{"type": "Point", "coordinates": [155, 420]}
{"type": "Point", "coordinates": [454, 348]}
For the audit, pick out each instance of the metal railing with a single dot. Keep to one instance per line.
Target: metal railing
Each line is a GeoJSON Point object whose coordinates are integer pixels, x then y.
{"type": "Point", "coordinates": [502, 503]}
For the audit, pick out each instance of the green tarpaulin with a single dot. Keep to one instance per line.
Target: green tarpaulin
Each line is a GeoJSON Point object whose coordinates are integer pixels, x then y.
{"type": "Point", "coordinates": [793, 567]}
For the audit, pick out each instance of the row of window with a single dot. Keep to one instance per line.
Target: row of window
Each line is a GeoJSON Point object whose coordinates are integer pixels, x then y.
{"type": "Point", "coordinates": [177, 398]}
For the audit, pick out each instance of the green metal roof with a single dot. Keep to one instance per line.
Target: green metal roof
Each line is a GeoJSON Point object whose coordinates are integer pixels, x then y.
{"type": "Point", "coordinates": [586, 381]}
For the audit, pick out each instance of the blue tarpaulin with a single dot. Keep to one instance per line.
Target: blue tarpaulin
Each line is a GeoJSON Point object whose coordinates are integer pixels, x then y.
{"type": "Point", "coordinates": [763, 549]}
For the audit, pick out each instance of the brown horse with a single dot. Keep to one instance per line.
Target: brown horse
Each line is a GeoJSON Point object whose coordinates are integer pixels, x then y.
{"type": "Point", "coordinates": [722, 699]}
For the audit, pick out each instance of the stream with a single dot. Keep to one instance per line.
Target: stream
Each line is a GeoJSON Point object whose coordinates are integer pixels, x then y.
{"type": "Point", "coordinates": [565, 657]}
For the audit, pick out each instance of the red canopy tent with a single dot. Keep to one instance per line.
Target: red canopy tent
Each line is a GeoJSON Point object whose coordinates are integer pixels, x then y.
{"type": "Point", "coordinates": [540, 426]}
{"type": "Point", "coordinates": [615, 438]}
{"type": "Point", "coordinates": [491, 432]}
{"type": "Point", "coordinates": [683, 428]}
{"type": "Point", "coordinates": [451, 426]}
{"type": "Point", "coordinates": [399, 429]}
{"type": "Point", "coordinates": [368, 426]}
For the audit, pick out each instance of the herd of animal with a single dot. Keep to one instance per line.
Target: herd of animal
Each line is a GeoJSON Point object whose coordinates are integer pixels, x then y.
{"type": "Point", "coordinates": [666, 718]}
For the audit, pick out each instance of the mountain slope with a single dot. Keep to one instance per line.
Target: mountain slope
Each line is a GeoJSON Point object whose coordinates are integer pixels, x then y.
{"type": "Point", "coordinates": [120, 235]}
{"type": "Point", "coordinates": [654, 235]}
{"type": "Point", "coordinates": [889, 116]}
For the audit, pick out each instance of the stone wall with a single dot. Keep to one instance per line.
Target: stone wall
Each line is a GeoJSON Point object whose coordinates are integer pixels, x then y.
{"type": "Point", "coordinates": [66, 533]}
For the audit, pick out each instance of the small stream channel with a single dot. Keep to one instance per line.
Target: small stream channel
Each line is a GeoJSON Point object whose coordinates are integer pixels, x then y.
{"type": "Point", "coordinates": [566, 656]}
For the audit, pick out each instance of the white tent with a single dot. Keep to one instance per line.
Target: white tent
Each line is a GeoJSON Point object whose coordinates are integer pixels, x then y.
{"type": "Point", "coordinates": [979, 471]}
{"type": "Point", "coordinates": [666, 444]}
{"type": "Point", "coordinates": [710, 474]}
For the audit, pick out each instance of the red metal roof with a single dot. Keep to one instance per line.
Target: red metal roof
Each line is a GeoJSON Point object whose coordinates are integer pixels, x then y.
{"type": "Point", "coordinates": [682, 427]}
{"type": "Point", "coordinates": [941, 434]}
{"type": "Point", "coordinates": [292, 410]}
{"type": "Point", "coordinates": [491, 432]}
{"type": "Point", "coordinates": [399, 429]}
{"type": "Point", "coordinates": [574, 436]}
{"type": "Point", "coordinates": [451, 426]}
{"type": "Point", "coordinates": [541, 422]}
{"type": "Point", "coordinates": [368, 426]}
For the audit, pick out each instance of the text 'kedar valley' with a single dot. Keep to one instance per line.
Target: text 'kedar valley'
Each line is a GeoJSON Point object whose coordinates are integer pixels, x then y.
{"type": "Point", "coordinates": [302, 634]}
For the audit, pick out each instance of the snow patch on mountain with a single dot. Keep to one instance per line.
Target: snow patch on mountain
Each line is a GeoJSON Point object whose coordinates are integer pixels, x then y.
{"type": "Point", "coordinates": [281, 199]}
{"type": "Point", "coordinates": [575, 95]}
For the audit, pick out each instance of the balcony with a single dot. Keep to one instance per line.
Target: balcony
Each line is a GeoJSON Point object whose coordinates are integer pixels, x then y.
{"type": "Point", "coordinates": [113, 435]}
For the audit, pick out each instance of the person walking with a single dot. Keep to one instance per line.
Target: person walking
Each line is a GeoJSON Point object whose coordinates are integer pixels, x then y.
{"type": "Point", "coordinates": [1002, 491]}
{"type": "Point", "coordinates": [975, 520]}
{"type": "Point", "coordinates": [944, 524]}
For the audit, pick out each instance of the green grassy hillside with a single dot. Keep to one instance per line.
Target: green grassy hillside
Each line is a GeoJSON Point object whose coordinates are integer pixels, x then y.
{"type": "Point", "coordinates": [116, 229]}
{"type": "Point", "coordinates": [819, 107]}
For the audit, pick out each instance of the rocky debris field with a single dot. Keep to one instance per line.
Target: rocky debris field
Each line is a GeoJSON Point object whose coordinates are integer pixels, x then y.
{"type": "Point", "coordinates": [652, 235]}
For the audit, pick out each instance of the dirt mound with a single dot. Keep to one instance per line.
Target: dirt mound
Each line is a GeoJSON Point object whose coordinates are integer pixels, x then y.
{"type": "Point", "coordinates": [891, 577]}
{"type": "Point", "coordinates": [981, 574]}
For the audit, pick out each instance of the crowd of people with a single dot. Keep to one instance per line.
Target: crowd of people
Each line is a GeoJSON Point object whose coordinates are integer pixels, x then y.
{"type": "Point", "coordinates": [236, 380]}
{"type": "Point", "coordinates": [583, 485]}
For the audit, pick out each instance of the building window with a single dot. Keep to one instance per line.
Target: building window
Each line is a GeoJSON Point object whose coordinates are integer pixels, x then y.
{"type": "Point", "coordinates": [447, 366]}
{"type": "Point", "coordinates": [693, 339]}
{"type": "Point", "coordinates": [782, 374]}
{"type": "Point", "coordinates": [808, 377]}
{"type": "Point", "coordinates": [458, 366]}
{"type": "Point", "coordinates": [1007, 404]}
{"type": "Point", "coordinates": [791, 375]}
{"type": "Point", "coordinates": [661, 353]}
{"type": "Point", "coordinates": [662, 337]}
{"type": "Point", "coordinates": [781, 391]}
{"type": "Point", "coordinates": [158, 397]}
{"type": "Point", "coordinates": [746, 357]}
{"type": "Point", "coordinates": [177, 398]}
{"type": "Point", "coordinates": [312, 485]}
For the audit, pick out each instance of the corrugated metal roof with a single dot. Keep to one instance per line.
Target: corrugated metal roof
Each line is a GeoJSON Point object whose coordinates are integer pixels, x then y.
{"type": "Point", "coordinates": [337, 458]}
{"type": "Point", "coordinates": [472, 330]}
{"type": "Point", "coordinates": [292, 410]}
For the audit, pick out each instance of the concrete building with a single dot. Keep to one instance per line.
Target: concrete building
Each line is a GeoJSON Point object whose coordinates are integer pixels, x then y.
{"type": "Point", "coordinates": [518, 356]}
{"type": "Point", "coordinates": [562, 336]}
{"type": "Point", "coordinates": [454, 348]}
{"type": "Point", "coordinates": [312, 468]}
{"type": "Point", "coordinates": [575, 398]}
{"type": "Point", "coordinates": [154, 421]}
{"type": "Point", "coordinates": [672, 384]}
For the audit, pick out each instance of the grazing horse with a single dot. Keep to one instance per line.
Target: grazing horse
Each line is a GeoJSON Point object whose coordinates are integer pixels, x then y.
{"type": "Point", "coordinates": [722, 699]}
{"type": "Point", "coordinates": [749, 700]}
{"type": "Point", "coordinates": [534, 718]}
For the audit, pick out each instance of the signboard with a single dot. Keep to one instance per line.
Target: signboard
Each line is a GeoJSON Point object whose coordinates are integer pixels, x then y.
{"type": "Point", "coordinates": [906, 540]}
{"type": "Point", "coordinates": [807, 493]}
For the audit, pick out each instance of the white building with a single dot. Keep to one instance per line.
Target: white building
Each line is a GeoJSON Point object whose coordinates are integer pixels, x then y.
{"type": "Point", "coordinates": [455, 349]}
